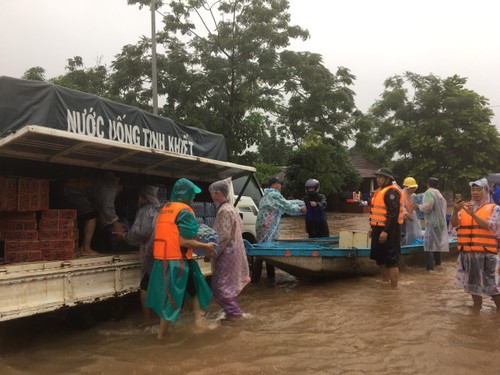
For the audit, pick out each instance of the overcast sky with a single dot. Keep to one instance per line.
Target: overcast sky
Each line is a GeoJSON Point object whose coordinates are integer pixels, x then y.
{"type": "Point", "coordinates": [374, 39]}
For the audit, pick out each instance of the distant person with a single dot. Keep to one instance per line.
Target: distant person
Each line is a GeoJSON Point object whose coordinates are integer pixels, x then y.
{"type": "Point", "coordinates": [478, 227]}
{"type": "Point", "coordinates": [412, 230]}
{"type": "Point", "coordinates": [271, 207]}
{"type": "Point", "coordinates": [176, 277]}
{"type": "Point", "coordinates": [141, 234]}
{"type": "Point", "coordinates": [386, 218]}
{"type": "Point", "coordinates": [230, 271]}
{"type": "Point", "coordinates": [494, 189]}
{"type": "Point", "coordinates": [316, 221]}
{"type": "Point", "coordinates": [436, 239]}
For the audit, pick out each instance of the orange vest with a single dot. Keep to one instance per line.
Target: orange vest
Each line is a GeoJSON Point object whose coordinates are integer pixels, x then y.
{"type": "Point", "coordinates": [167, 238]}
{"type": "Point", "coordinates": [378, 211]}
{"type": "Point", "coordinates": [473, 238]}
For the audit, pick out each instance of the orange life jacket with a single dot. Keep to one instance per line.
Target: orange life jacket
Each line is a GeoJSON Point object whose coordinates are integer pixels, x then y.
{"type": "Point", "coordinates": [378, 211]}
{"type": "Point", "coordinates": [166, 244]}
{"type": "Point", "coordinates": [473, 238]}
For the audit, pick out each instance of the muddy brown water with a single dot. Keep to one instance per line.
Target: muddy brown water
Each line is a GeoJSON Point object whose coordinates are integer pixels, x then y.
{"type": "Point", "coordinates": [292, 326]}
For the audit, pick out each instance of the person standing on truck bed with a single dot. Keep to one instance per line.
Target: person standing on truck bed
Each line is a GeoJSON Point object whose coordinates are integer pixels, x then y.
{"type": "Point", "coordinates": [142, 233]}
{"type": "Point", "coordinates": [77, 193]}
{"type": "Point", "coordinates": [271, 207]}
{"type": "Point", "coordinates": [176, 277]}
{"type": "Point", "coordinates": [105, 189]}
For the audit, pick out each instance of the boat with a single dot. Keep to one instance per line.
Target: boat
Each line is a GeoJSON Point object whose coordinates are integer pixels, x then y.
{"type": "Point", "coordinates": [327, 257]}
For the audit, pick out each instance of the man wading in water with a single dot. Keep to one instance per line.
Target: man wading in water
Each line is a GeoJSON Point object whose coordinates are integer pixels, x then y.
{"type": "Point", "coordinates": [386, 217]}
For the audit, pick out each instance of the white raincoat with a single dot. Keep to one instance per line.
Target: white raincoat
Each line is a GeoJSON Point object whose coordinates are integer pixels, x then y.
{"type": "Point", "coordinates": [436, 231]}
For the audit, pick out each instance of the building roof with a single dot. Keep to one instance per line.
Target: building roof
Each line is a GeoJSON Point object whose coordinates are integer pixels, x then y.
{"type": "Point", "coordinates": [366, 168]}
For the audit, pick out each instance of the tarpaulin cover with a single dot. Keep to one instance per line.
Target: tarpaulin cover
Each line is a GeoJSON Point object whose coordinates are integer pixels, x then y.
{"type": "Point", "coordinates": [24, 102]}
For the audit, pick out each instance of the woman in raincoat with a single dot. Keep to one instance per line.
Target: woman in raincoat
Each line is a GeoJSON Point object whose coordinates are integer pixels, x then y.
{"type": "Point", "coordinates": [230, 272]}
{"type": "Point", "coordinates": [478, 226]}
{"type": "Point", "coordinates": [436, 240]}
{"type": "Point", "coordinates": [412, 228]}
{"type": "Point", "coordinates": [175, 277]}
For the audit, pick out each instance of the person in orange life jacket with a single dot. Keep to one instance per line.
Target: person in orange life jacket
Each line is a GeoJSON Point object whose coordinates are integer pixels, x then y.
{"type": "Point", "coordinates": [478, 228]}
{"type": "Point", "coordinates": [175, 276]}
{"type": "Point", "coordinates": [316, 223]}
{"type": "Point", "coordinates": [386, 217]}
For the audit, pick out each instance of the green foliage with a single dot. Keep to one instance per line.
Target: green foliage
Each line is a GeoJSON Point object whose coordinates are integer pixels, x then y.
{"type": "Point", "coordinates": [441, 129]}
{"type": "Point", "coordinates": [92, 80]}
{"type": "Point", "coordinates": [264, 171]}
{"type": "Point", "coordinates": [325, 161]}
{"type": "Point", "coordinates": [36, 73]}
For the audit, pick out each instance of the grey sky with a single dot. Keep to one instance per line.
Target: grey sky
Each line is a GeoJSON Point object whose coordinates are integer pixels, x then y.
{"type": "Point", "coordinates": [374, 39]}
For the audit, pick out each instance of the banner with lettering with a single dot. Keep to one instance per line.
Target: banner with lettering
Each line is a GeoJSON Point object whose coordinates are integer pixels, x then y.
{"type": "Point", "coordinates": [24, 102]}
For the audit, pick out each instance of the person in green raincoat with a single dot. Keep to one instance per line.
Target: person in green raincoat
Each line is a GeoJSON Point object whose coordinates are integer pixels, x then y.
{"type": "Point", "coordinates": [176, 278]}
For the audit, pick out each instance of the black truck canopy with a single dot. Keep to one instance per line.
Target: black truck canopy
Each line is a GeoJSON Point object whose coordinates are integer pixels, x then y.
{"type": "Point", "coordinates": [48, 123]}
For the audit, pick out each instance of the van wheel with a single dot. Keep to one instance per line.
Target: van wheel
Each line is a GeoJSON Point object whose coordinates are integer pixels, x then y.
{"type": "Point", "coordinates": [256, 269]}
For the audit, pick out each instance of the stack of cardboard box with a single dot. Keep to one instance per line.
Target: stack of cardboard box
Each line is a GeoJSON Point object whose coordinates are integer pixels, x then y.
{"type": "Point", "coordinates": [29, 230]}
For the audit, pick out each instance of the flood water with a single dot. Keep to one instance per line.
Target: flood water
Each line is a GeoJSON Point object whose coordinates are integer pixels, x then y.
{"type": "Point", "coordinates": [340, 326]}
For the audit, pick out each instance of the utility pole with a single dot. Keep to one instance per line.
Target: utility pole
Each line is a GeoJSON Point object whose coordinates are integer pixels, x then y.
{"type": "Point", "coordinates": [154, 74]}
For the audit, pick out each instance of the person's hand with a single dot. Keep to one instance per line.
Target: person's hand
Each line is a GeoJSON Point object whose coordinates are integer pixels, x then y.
{"type": "Point", "coordinates": [119, 227]}
{"type": "Point", "coordinates": [370, 232]}
{"type": "Point", "coordinates": [303, 209]}
{"type": "Point", "coordinates": [313, 204]}
{"type": "Point", "coordinates": [209, 249]}
{"type": "Point", "coordinates": [458, 204]}
{"type": "Point", "coordinates": [383, 237]}
{"type": "Point", "coordinates": [468, 208]}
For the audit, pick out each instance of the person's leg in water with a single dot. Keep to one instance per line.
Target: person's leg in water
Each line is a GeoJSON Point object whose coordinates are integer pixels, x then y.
{"type": "Point", "coordinates": [393, 272]}
{"type": "Point", "coordinates": [496, 299]}
{"type": "Point", "coordinates": [384, 271]}
{"type": "Point", "coordinates": [478, 301]}
{"type": "Point", "coordinates": [162, 331]}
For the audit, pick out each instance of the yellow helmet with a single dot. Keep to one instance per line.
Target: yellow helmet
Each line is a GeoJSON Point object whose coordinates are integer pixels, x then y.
{"type": "Point", "coordinates": [410, 182]}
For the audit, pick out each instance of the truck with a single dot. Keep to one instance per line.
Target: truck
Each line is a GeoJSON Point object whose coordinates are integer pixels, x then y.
{"type": "Point", "coordinates": [47, 133]}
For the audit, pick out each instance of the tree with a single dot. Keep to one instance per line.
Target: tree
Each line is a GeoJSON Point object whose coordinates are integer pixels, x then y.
{"type": "Point", "coordinates": [325, 161]}
{"type": "Point", "coordinates": [226, 68]}
{"type": "Point", "coordinates": [436, 127]}
{"type": "Point", "coordinates": [37, 73]}
{"type": "Point", "coordinates": [92, 80]}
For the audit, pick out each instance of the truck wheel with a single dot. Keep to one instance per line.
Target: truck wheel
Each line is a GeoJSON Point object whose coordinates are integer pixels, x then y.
{"type": "Point", "coordinates": [270, 271]}
{"type": "Point", "coordinates": [256, 269]}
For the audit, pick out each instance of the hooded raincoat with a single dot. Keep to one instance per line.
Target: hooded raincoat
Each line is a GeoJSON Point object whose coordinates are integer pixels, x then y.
{"type": "Point", "coordinates": [272, 206]}
{"type": "Point", "coordinates": [174, 281]}
{"type": "Point", "coordinates": [436, 229]}
{"type": "Point", "coordinates": [478, 272]}
{"type": "Point", "coordinates": [142, 231]}
{"type": "Point", "coordinates": [230, 270]}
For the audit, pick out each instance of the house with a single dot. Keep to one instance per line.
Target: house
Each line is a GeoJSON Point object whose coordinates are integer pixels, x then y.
{"type": "Point", "coordinates": [366, 169]}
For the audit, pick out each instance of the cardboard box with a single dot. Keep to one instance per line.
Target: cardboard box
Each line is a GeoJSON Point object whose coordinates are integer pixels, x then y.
{"type": "Point", "coordinates": [354, 239]}
{"type": "Point", "coordinates": [23, 256]}
{"type": "Point", "coordinates": [56, 224]}
{"type": "Point", "coordinates": [59, 214]}
{"type": "Point", "coordinates": [19, 235]}
{"type": "Point", "coordinates": [55, 234]}
{"type": "Point", "coordinates": [57, 244]}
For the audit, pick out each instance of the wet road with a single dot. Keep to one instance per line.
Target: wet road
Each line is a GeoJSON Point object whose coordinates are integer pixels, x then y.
{"type": "Point", "coordinates": [292, 326]}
